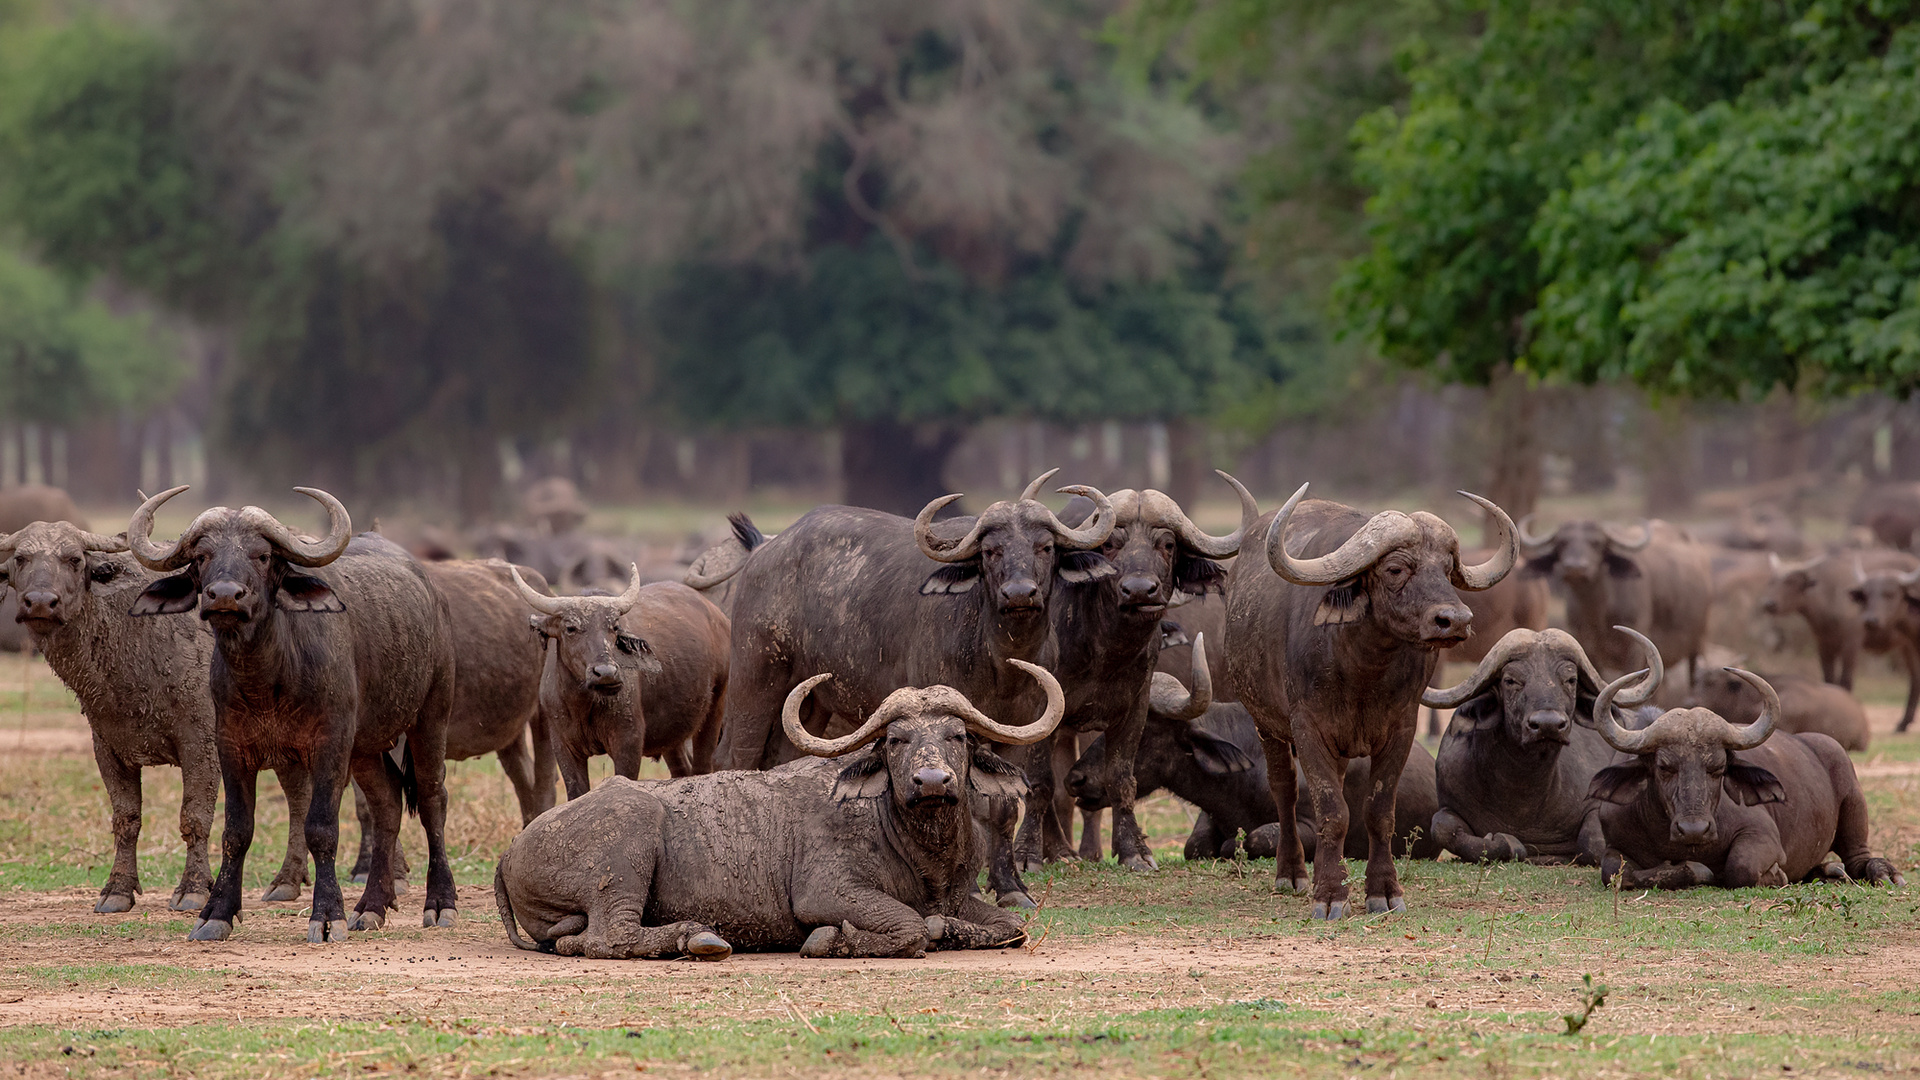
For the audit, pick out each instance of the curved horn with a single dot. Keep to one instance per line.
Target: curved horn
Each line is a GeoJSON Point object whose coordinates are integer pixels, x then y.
{"type": "Point", "coordinates": [703, 582]}
{"type": "Point", "coordinates": [140, 530]}
{"type": "Point", "coordinates": [933, 547]}
{"type": "Point", "coordinates": [1616, 537]}
{"type": "Point", "coordinates": [1488, 574]}
{"type": "Point", "coordinates": [819, 747]}
{"type": "Point", "coordinates": [981, 724]}
{"type": "Point", "coordinates": [1217, 547]}
{"type": "Point", "coordinates": [1530, 545]}
{"type": "Point", "coordinates": [93, 541]}
{"type": "Point", "coordinates": [1627, 742]}
{"type": "Point", "coordinates": [1911, 577]}
{"type": "Point", "coordinates": [1167, 698]}
{"type": "Point", "coordinates": [1361, 550]}
{"type": "Point", "coordinates": [303, 552]}
{"type": "Point", "coordinates": [1031, 493]}
{"type": "Point", "coordinates": [1461, 692]}
{"type": "Point", "coordinates": [1752, 735]}
{"type": "Point", "coordinates": [538, 601]}
{"type": "Point", "coordinates": [625, 601]}
{"type": "Point", "coordinates": [1097, 528]}
{"type": "Point", "coordinates": [1656, 670]}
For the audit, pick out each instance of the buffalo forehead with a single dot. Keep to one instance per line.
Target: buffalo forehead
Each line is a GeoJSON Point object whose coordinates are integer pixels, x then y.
{"type": "Point", "coordinates": [1690, 728]}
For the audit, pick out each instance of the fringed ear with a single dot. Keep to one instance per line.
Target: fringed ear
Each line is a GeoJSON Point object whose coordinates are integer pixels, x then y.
{"type": "Point", "coordinates": [298, 592]}
{"type": "Point", "coordinates": [1344, 603]}
{"type": "Point", "coordinates": [168, 596]}
{"type": "Point", "coordinates": [1172, 635]}
{"type": "Point", "coordinates": [631, 644]}
{"type": "Point", "coordinates": [1479, 713]}
{"type": "Point", "coordinates": [1622, 567]}
{"type": "Point", "coordinates": [952, 578]}
{"type": "Point", "coordinates": [865, 777]}
{"type": "Point", "coordinates": [1540, 567]}
{"type": "Point", "coordinates": [1751, 785]}
{"type": "Point", "coordinates": [103, 568]}
{"type": "Point", "coordinates": [1619, 783]}
{"type": "Point", "coordinates": [1215, 755]}
{"type": "Point", "coordinates": [995, 777]}
{"type": "Point", "coordinates": [1080, 567]}
{"type": "Point", "coordinates": [1198, 576]}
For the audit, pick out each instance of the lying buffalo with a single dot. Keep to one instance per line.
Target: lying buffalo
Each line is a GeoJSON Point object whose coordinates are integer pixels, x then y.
{"type": "Point", "coordinates": [1707, 802]}
{"type": "Point", "coordinates": [873, 857]}
{"type": "Point", "coordinates": [1216, 764]}
{"type": "Point", "coordinates": [642, 674]}
{"type": "Point", "coordinates": [1521, 752]}
{"type": "Point", "coordinates": [1330, 648]}
{"type": "Point", "coordinates": [1806, 705]}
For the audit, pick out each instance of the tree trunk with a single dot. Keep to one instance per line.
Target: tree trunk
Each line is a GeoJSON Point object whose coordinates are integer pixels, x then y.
{"type": "Point", "coordinates": [1668, 461]}
{"type": "Point", "coordinates": [1513, 482]}
{"type": "Point", "coordinates": [1187, 461]}
{"type": "Point", "coordinates": [479, 479]}
{"type": "Point", "coordinates": [895, 467]}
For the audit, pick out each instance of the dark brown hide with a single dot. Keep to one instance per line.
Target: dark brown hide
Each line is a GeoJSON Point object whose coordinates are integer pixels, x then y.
{"type": "Point", "coordinates": [1518, 602]}
{"type": "Point", "coordinates": [1805, 706]}
{"type": "Point", "coordinates": [1664, 590]}
{"type": "Point", "coordinates": [1821, 591]}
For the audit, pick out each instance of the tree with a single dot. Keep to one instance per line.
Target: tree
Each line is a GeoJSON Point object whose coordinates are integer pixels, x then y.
{"type": "Point", "coordinates": [63, 355]}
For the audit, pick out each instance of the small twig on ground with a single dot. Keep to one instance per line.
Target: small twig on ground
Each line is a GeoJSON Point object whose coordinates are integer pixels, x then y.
{"type": "Point", "coordinates": [1488, 957]}
{"type": "Point", "coordinates": [1033, 943]}
{"type": "Point", "coordinates": [891, 1019]}
{"type": "Point", "coordinates": [797, 1014]}
{"type": "Point", "coordinates": [1240, 853]}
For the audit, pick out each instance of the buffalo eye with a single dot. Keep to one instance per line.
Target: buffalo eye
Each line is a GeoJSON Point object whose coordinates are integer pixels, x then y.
{"type": "Point", "coordinates": [75, 561]}
{"type": "Point", "coordinates": [573, 628]}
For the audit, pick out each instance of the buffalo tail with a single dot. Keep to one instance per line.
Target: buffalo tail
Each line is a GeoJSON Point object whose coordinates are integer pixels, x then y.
{"type": "Point", "coordinates": [505, 904]}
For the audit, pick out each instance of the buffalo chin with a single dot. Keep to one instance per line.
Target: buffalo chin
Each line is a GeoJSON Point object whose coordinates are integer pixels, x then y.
{"type": "Point", "coordinates": [40, 624]}
{"type": "Point", "coordinates": [915, 802]}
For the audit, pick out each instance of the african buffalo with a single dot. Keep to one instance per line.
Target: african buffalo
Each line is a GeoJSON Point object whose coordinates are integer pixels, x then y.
{"type": "Point", "coordinates": [1216, 764]}
{"type": "Point", "coordinates": [1518, 602]}
{"type": "Point", "coordinates": [142, 685]}
{"type": "Point", "coordinates": [1825, 592]}
{"type": "Point", "coordinates": [1109, 634]}
{"type": "Point", "coordinates": [1806, 705]}
{"type": "Point", "coordinates": [1704, 802]}
{"type": "Point", "coordinates": [1891, 512]}
{"type": "Point", "coordinates": [713, 571]}
{"type": "Point", "coordinates": [1521, 752]}
{"type": "Point", "coordinates": [885, 602]}
{"type": "Point", "coordinates": [20, 507]}
{"type": "Point", "coordinates": [642, 674]}
{"type": "Point", "coordinates": [349, 667]}
{"type": "Point", "coordinates": [1330, 649]}
{"type": "Point", "coordinates": [873, 857]}
{"type": "Point", "coordinates": [1659, 582]}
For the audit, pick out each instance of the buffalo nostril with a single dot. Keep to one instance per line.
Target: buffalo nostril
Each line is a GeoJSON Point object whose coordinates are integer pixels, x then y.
{"type": "Point", "coordinates": [42, 600]}
{"type": "Point", "coordinates": [604, 672]}
{"type": "Point", "coordinates": [937, 778]}
{"type": "Point", "coordinates": [1140, 588]}
{"type": "Point", "coordinates": [1019, 590]}
{"type": "Point", "coordinates": [1692, 830]}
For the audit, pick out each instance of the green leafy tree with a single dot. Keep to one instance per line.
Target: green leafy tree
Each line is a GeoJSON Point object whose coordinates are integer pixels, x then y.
{"type": "Point", "coordinates": [63, 355]}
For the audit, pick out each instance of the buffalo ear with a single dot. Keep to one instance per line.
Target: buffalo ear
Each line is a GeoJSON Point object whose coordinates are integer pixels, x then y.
{"type": "Point", "coordinates": [544, 625]}
{"type": "Point", "coordinates": [631, 644]}
{"type": "Point", "coordinates": [1619, 783]}
{"type": "Point", "coordinates": [865, 778]}
{"type": "Point", "coordinates": [1198, 576]}
{"type": "Point", "coordinates": [1751, 785]}
{"type": "Point", "coordinates": [1344, 603]}
{"type": "Point", "coordinates": [1479, 713]}
{"type": "Point", "coordinates": [1080, 567]}
{"type": "Point", "coordinates": [994, 776]}
{"type": "Point", "coordinates": [1216, 755]}
{"type": "Point", "coordinates": [170, 595]}
{"type": "Point", "coordinates": [1173, 635]}
{"type": "Point", "coordinates": [1542, 566]}
{"type": "Point", "coordinates": [298, 592]}
{"type": "Point", "coordinates": [952, 578]}
{"type": "Point", "coordinates": [101, 570]}
{"type": "Point", "coordinates": [1622, 567]}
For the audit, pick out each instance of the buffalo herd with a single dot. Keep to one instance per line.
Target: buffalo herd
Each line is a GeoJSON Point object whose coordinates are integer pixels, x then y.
{"type": "Point", "coordinates": [865, 715]}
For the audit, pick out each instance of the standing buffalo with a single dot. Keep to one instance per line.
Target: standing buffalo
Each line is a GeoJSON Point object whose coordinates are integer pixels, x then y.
{"type": "Point", "coordinates": [1704, 801]}
{"type": "Point", "coordinates": [1521, 752]}
{"type": "Point", "coordinates": [1660, 582]}
{"type": "Point", "coordinates": [886, 602]}
{"type": "Point", "coordinates": [1826, 592]}
{"type": "Point", "coordinates": [876, 857]}
{"type": "Point", "coordinates": [1889, 603]}
{"type": "Point", "coordinates": [1109, 633]}
{"type": "Point", "coordinates": [642, 674]}
{"type": "Point", "coordinates": [142, 685]}
{"type": "Point", "coordinates": [1891, 512]}
{"type": "Point", "coordinates": [1330, 652]}
{"type": "Point", "coordinates": [1805, 705]}
{"type": "Point", "coordinates": [346, 669]}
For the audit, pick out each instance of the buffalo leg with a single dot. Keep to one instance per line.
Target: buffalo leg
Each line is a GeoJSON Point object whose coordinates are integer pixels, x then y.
{"type": "Point", "coordinates": [1290, 860]}
{"type": "Point", "coordinates": [123, 794]}
{"type": "Point", "coordinates": [1383, 877]}
{"type": "Point", "coordinates": [868, 923]}
{"type": "Point", "coordinates": [1452, 832]}
{"type": "Point", "coordinates": [1664, 876]}
{"type": "Point", "coordinates": [1592, 842]}
{"type": "Point", "coordinates": [707, 738]}
{"type": "Point", "coordinates": [545, 772]}
{"type": "Point", "coordinates": [573, 769]}
{"type": "Point", "coordinates": [1850, 832]}
{"type": "Point", "coordinates": [1326, 791]}
{"type": "Point", "coordinates": [1090, 835]}
{"type": "Point", "coordinates": [1123, 746]}
{"type": "Point", "coordinates": [378, 790]}
{"type": "Point", "coordinates": [515, 762]}
{"type": "Point", "coordinates": [1059, 843]}
{"type": "Point", "coordinates": [1202, 842]}
{"type": "Point", "coordinates": [1002, 877]}
{"type": "Point", "coordinates": [363, 862]}
{"type": "Point", "coordinates": [223, 907]}
{"type": "Point", "coordinates": [328, 918]}
{"type": "Point", "coordinates": [1910, 658]}
{"type": "Point", "coordinates": [975, 926]}
{"type": "Point", "coordinates": [427, 766]}
{"type": "Point", "coordinates": [298, 788]}
{"type": "Point", "coordinates": [628, 751]}
{"type": "Point", "coordinates": [1031, 840]}
{"type": "Point", "coordinates": [199, 790]}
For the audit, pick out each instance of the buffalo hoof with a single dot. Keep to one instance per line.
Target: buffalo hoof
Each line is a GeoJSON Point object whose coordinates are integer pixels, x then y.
{"type": "Point", "coordinates": [401, 885]}
{"type": "Point", "coordinates": [1380, 905]}
{"type": "Point", "coordinates": [707, 945]}
{"type": "Point", "coordinates": [115, 903]}
{"type": "Point", "coordinates": [821, 942]}
{"type": "Point", "coordinates": [189, 901]}
{"type": "Point", "coordinates": [1017, 900]}
{"type": "Point", "coordinates": [280, 892]}
{"type": "Point", "coordinates": [1774, 878]}
{"type": "Point", "coordinates": [1703, 874]}
{"type": "Point", "coordinates": [1031, 865]}
{"type": "Point", "coordinates": [1143, 864]}
{"type": "Point", "coordinates": [322, 931]}
{"type": "Point", "coordinates": [210, 930]}
{"type": "Point", "coordinates": [1292, 885]}
{"type": "Point", "coordinates": [936, 928]}
{"type": "Point", "coordinates": [444, 917]}
{"type": "Point", "coordinates": [367, 920]}
{"type": "Point", "coordinates": [1329, 912]}
{"type": "Point", "coordinates": [1509, 847]}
